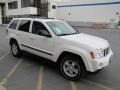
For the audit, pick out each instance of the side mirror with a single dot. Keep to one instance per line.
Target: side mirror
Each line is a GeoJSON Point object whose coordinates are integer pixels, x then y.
{"type": "Point", "coordinates": [44, 33]}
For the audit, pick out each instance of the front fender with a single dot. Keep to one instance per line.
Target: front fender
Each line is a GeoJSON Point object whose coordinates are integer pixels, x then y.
{"type": "Point", "coordinates": [84, 54]}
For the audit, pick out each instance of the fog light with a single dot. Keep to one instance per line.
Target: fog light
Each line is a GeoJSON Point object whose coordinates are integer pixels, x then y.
{"type": "Point", "coordinates": [101, 65]}
{"type": "Point", "coordinates": [110, 59]}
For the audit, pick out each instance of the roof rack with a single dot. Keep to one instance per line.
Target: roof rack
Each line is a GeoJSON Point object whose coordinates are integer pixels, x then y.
{"type": "Point", "coordinates": [34, 16]}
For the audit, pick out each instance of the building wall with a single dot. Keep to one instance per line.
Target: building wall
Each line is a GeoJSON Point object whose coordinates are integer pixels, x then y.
{"type": "Point", "coordinates": [88, 13]}
{"type": "Point", "coordinates": [38, 8]}
{"type": "Point", "coordinates": [28, 10]}
{"type": "Point", "coordinates": [19, 10]}
{"type": "Point", "coordinates": [52, 12]}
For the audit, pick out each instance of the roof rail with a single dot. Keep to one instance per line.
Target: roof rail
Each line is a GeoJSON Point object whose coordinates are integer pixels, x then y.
{"type": "Point", "coordinates": [34, 16]}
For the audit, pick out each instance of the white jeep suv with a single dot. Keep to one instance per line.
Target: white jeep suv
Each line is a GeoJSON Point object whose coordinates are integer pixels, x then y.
{"type": "Point", "coordinates": [74, 52]}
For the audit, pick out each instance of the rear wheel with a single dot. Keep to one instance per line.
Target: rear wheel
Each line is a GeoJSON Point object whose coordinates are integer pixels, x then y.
{"type": "Point", "coordinates": [72, 67]}
{"type": "Point", "coordinates": [15, 49]}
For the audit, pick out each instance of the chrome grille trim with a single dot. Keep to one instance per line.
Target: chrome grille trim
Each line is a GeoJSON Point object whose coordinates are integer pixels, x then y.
{"type": "Point", "coordinates": [106, 51]}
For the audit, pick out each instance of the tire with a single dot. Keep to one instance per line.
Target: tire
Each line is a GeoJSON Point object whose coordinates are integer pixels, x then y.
{"type": "Point", "coordinates": [15, 49]}
{"type": "Point", "coordinates": [74, 72]}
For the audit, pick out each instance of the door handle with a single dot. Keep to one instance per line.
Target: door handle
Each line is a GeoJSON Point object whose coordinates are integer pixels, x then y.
{"type": "Point", "coordinates": [17, 34]}
{"type": "Point", "coordinates": [32, 38]}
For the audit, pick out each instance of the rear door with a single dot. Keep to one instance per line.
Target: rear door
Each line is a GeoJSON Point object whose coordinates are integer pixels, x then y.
{"type": "Point", "coordinates": [13, 25]}
{"type": "Point", "coordinates": [11, 29]}
{"type": "Point", "coordinates": [24, 34]}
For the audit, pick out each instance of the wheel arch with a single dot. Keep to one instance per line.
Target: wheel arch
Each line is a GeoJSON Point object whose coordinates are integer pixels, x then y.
{"type": "Point", "coordinates": [13, 39]}
{"type": "Point", "coordinates": [64, 53]}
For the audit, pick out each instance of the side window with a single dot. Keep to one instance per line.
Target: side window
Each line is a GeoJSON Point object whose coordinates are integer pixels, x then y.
{"type": "Point", "coordinates": [24, 25]}
{"type": "Point", "coordinates": [13, 25]}
{"type": "Point", "coordinates": [38, 28]}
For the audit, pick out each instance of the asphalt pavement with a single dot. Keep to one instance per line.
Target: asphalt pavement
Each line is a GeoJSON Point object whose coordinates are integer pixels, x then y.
{"type": "Point", "coordinates": [31, 72]}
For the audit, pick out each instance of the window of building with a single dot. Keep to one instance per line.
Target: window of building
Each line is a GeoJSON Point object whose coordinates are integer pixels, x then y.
{"type": "Point", "coordinates": [12, 5]}
{"type": "Point", "coordinates": [13, 25]}
{"type": "Point", "coordinates": [24, 25]}
{"type": "Point", "coordinates": [53, 6]}
{"type": "Point", "coordinates": [27, 3]}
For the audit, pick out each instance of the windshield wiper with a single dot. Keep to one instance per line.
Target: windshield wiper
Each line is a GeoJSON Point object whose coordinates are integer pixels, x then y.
{"type": "Point", "coordinates": [63, 34]}
{"type": "Point", "coordinates": [67, 34]}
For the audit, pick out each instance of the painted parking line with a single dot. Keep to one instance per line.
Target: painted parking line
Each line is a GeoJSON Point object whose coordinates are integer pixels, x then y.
{"type": "Point", "coordinates": [2, 88]}
{"type": "Point", "coordinates": [40, 79]}
{"type": "Point", "coordinates": [6, 78]}
{"type": "Point", "coordinates": [97, 84]}
{"type": "Point", "coordinates": [2, 57]}
{"type": "Point", "coordinates": [73, 85]}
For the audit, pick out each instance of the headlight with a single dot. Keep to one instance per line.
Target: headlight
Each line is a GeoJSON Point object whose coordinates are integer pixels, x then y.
{"type": "Point", "coordinates": [99, 53]}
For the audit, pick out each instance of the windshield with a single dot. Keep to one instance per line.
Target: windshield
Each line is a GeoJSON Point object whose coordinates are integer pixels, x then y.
{"type": "Point", "coordinates": [61, 28]}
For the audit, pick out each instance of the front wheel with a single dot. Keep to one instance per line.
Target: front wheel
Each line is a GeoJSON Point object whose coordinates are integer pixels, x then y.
{"type": "Point", "coordinates": [15, 49]}
{"type": "Point", "coordinates": [72, 68]}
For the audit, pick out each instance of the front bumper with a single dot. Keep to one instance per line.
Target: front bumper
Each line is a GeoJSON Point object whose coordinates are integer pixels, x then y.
{"type": "Point", "coordinates": [97, 64]}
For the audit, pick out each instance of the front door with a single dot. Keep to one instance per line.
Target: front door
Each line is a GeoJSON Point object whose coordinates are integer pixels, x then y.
{"type": "Point", "coordinates": [44, 46]}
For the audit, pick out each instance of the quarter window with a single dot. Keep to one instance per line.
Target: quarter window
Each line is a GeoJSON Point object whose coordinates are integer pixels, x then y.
{"type": "Point", "coordinates": [24, 25]}
{"type": "Point", "coordinates": [13, 25]}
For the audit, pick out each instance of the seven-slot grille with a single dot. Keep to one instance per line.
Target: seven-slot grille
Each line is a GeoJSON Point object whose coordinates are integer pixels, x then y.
{"type": "Point", "coordinates": [106, 51]}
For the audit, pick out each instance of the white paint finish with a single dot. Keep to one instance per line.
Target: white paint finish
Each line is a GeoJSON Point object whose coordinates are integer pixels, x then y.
{"type": "Point", "coordinates": [80, 44]}
{"type": "Point", "coordinates": [3, 0]}
{"type": "Point", "coordinates": [102, 13]}
{"type": "Point", "coordinates": [56, 0]}
{"type": "Point", "coordinates": [1, 58]}
{"type": "Point", "coordinates": [88, 40]}
{"type": "Point", "coordinates": [32, 10]}
{"type": "Point", "coordinates": [7, 77]}
{"type": "Point", "coordinates": [22, 11]}
{"type": "Point", "coordinates": [28, 10]}
{"type": "Point", "coordinates": [52, 12]}
{"type": "Point", "coordinates": [19, 10]}
{"type": "Point", "coordinates": [85, 1]}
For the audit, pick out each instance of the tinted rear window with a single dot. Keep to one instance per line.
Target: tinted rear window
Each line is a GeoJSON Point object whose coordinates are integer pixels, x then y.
{"type": "Point", "coordinates": [14, 23]}
{"type": "Point", "coordinates": [24, 25]}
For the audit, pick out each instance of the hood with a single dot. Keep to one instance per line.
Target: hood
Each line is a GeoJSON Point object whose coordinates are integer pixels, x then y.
{"type": "Point", "coordinates": [87, 40]}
